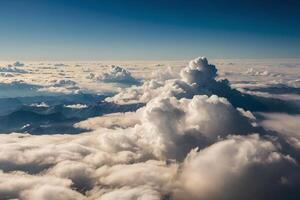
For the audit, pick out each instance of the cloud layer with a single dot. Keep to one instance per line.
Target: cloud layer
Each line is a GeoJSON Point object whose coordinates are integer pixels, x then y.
{"type": "Point", "coordinates": [189, 141]}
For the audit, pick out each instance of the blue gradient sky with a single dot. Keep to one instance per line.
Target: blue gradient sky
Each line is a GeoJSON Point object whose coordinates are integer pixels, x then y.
{"type": "Point", "coordinates": [115, 29]}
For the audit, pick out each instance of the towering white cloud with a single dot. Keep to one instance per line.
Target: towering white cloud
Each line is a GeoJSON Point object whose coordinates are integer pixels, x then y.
{"type": "Point", "coordinates": [199, 72]}
{"type": "Point", "coordinates": [193, 78]}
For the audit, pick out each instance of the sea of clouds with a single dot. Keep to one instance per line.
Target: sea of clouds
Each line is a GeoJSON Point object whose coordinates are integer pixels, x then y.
{"type": "Point", "coordinates": [194, 134]}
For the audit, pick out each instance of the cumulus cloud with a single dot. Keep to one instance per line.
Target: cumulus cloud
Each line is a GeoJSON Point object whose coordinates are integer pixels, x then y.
{"type": "Point", "coordinates": [240, 167]}
{"type": "Point", "coordinates": [193, 78]}
{"type": "Point", "coordinates": [169, 128]}
{"type": "Point", "coordinates": [187, 122]}
{"type": "Point", "coordinates": [254, 72]}
{"type": "Point", "coordinates": [199, 77]}
{"type": "Point", "coordinates": [199, 71]}
{"type": "Point", "coordinates": [117, 74]}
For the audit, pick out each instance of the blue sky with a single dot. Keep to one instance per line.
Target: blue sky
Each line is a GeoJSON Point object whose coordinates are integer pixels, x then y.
{"type": "Point", "coordinates": [129, 30]}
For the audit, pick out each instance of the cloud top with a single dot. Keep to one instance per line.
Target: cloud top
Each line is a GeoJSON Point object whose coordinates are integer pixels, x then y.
{"type": "Point", "coordinates": [199, 72]}
{"type": "Point", "coordinates": [117, 74]}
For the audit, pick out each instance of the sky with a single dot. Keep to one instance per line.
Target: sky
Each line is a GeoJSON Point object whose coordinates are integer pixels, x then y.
{"type": "Point", "coordinates": [147, 30]}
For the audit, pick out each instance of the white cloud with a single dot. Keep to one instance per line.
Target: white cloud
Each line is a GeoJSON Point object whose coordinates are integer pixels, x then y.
{"type": "Point", "coordinates": [117, 74]}
{"type": "Point", "coordinates": [197, 75]}
{"type": "Point", "coordinates": [254, 72]}
{"type": "Point", "coordinates": [169, 128]}
{"type": "Point", "coordinates": [18, 185]}
{"type": "Point", "coordinates": [237, 168]}
{"type": "Point", "coordinates": [40, 105]}
{"type": "Point", "coordinates": [70, 164]}
{"type": "Point", "coordinates": [199, 72]}
{"type": "Point", "coordinates": [76, 106]}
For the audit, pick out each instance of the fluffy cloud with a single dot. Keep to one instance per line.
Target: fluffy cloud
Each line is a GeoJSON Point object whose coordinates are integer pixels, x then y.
{"type": "Point", "coordinates": [237, 168]}
{"type": "Point", "coordinates": [18, 185]}
{"type": "Point", "coordinates": [167, 128]}
{"type": "Point", "coordinates": [253, 72]}
{"type": "Point", "coordinates": [194, 79]}
{"type": "Point", "coordinates": [197, 78]}
{"type": "Point", "coordinates": [118, 75]}
{"type": "Point", "coordinates": [73, 164]}
{"type": "Point", "coordinates": [186, 123]}
{"type": "Point", "coordinates": [246, 167]}
{"type": "Point", "coordinates": [199, 72]}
